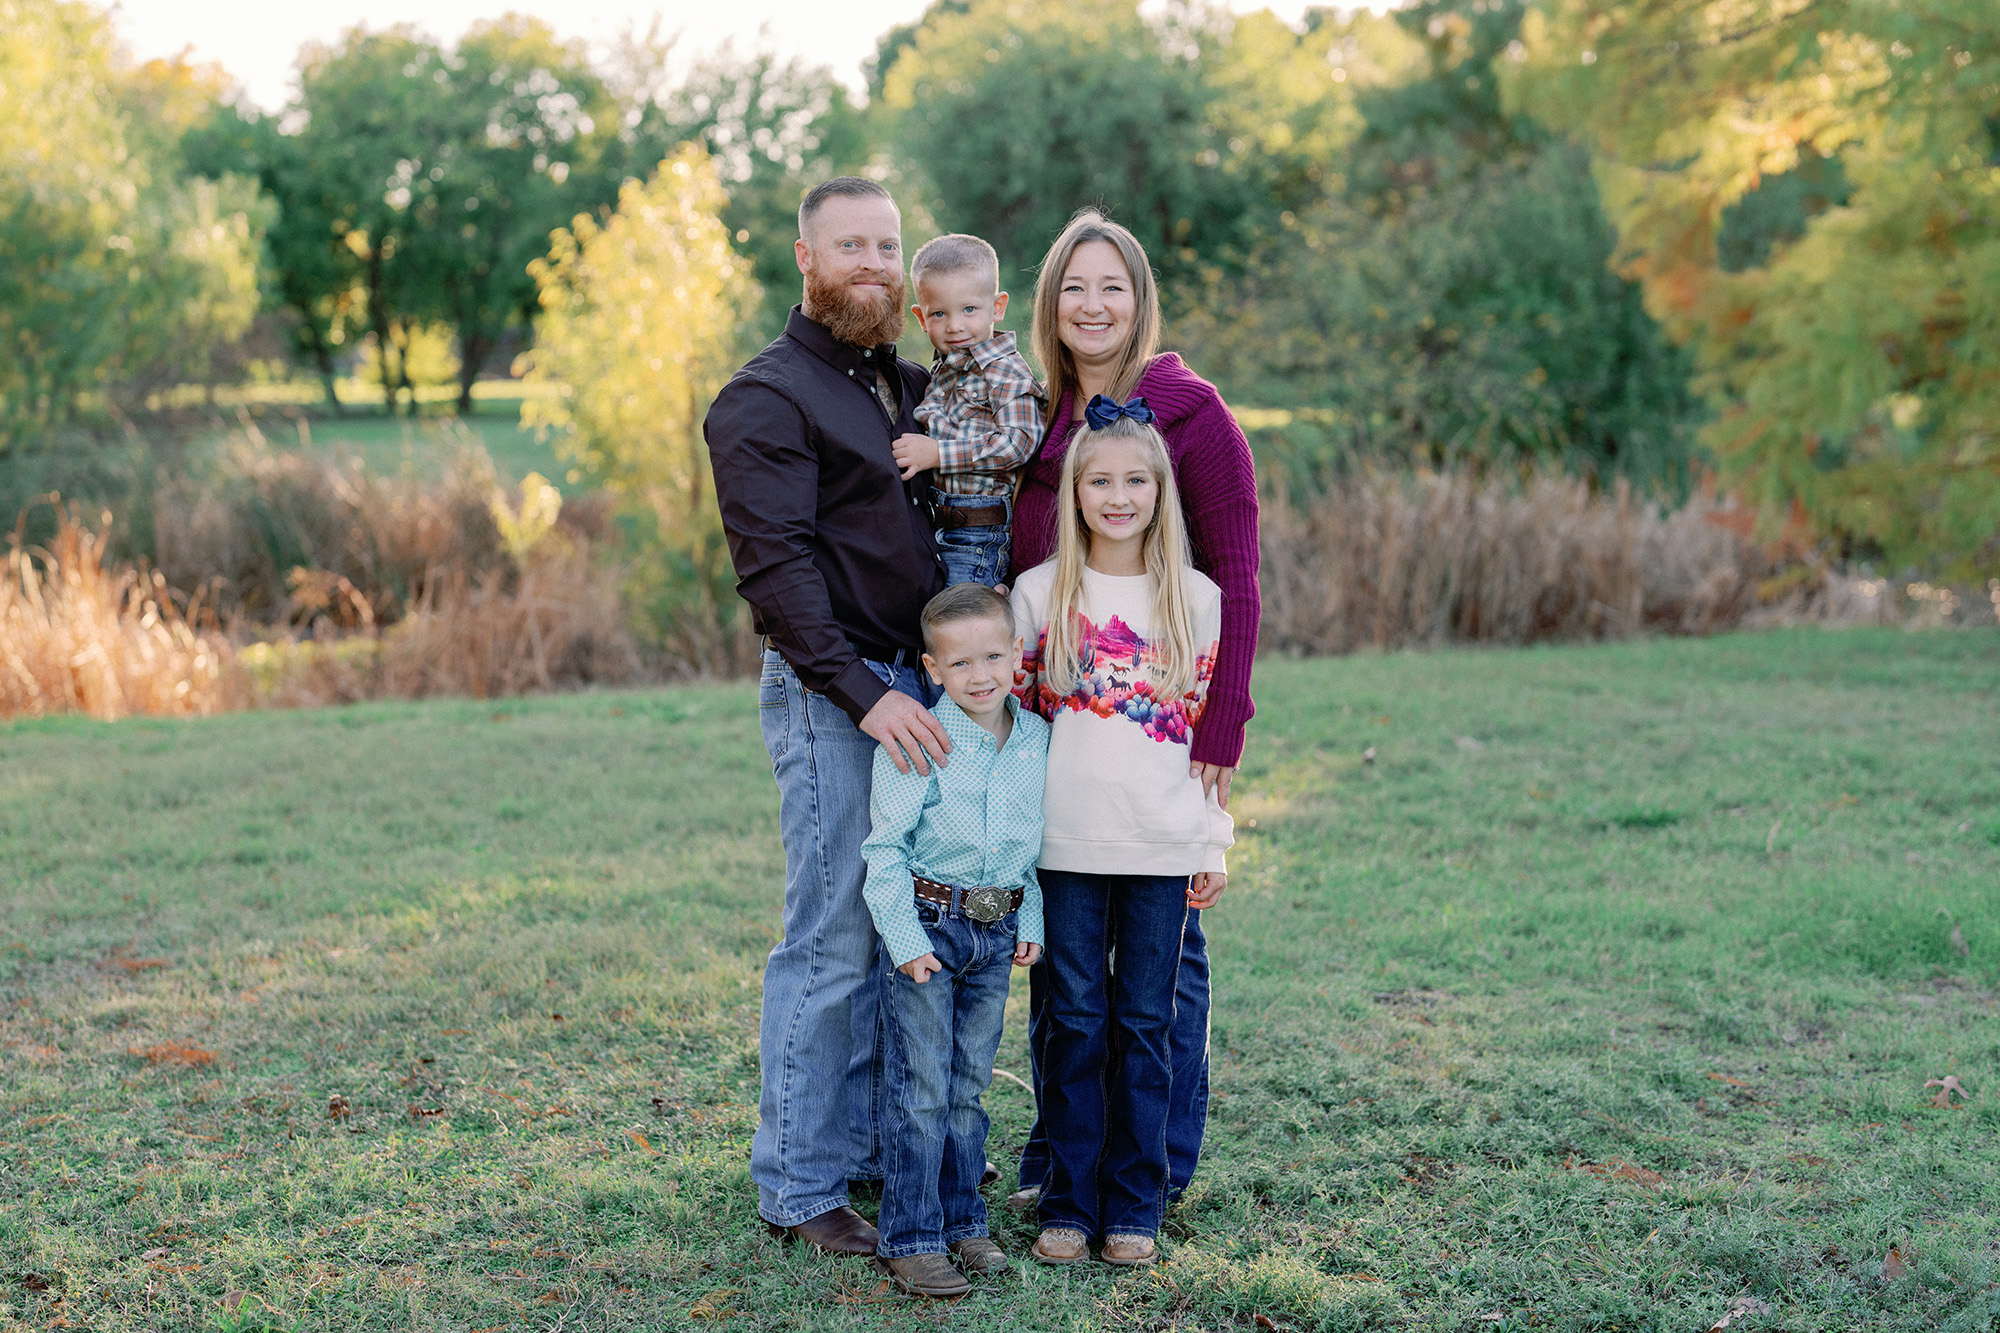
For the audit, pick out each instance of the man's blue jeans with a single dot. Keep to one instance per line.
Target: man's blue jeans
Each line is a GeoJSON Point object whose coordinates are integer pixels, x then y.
{"type": "Point", "coordinates": [1107, 1064]}
{"type": "Point", "coordinates": [1187, 1110]}
{"type": "Point", "coordinates": [974, 555]}
{"type": "Point", "coordinates": [820, 1039]}
{"type": "Point", "coordinates": [941, 1038]}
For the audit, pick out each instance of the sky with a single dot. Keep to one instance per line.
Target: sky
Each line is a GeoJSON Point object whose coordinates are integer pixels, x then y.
{"type": "Point", "coordinates": [257, 40]}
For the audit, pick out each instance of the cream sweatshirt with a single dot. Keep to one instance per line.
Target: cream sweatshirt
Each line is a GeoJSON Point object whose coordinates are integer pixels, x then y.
{"type": "Point", "coordinates": [1119, 799]}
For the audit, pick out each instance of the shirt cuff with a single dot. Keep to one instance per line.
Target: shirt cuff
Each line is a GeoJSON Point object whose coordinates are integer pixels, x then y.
{"type": "Point", "coordinates": [856, 689]}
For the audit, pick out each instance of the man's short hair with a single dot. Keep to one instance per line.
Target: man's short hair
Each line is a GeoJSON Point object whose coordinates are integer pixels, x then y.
{"type": "Point", "coordinates": [846, 187]}
{"type": "Point", "coordinates": [963, 601]}
{"type": "Point", "coordinates": [956, 253]}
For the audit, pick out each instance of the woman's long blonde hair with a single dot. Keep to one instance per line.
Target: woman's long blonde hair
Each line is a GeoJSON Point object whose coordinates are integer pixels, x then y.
{"type": "Point", "coordinates": [1057, 361]}
{"type": "Point", "coordinates": [1167, 565]}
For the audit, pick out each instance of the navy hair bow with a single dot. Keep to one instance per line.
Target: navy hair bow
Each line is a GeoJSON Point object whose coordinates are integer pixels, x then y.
{"type": "Point", "coordinates": [1101, 411]}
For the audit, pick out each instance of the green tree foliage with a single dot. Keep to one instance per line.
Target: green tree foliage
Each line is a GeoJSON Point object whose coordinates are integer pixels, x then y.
{"type": "Point", "coordinates": [643, 321]}
{"type": "Point", "coordinates": [1194, 130]}
{"type": "Point", "coordinates": [1809, 195]}
{"type": "Point", "coordinates": [116, 269]}
{"type": "Point", "coordinates": [1449, 298]}
{"type": "Point", "coordinates": [772, 128]}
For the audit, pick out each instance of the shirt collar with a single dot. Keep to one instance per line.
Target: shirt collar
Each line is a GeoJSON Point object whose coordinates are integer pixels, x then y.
{"type": "Point", "coordinates": [846, 357]}
{"type": "Point", "coordinates": [963, 730]}
{"type": "Point", "coordinates": [981, 354]}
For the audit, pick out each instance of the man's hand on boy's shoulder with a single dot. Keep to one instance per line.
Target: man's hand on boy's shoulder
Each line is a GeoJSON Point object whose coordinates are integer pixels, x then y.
{"type": "Point", "coordinates": [914, 454]}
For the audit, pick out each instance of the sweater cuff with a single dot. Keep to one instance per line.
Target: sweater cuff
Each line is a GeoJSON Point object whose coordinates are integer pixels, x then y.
{"type": "Point", "coordinates": [1218, 737]}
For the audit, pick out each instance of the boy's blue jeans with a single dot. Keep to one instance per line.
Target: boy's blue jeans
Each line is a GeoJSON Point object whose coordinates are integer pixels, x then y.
{"type": "Point", "coordinates": [974, 555]}
{"type": "Point", "coordinates": [819, 1040]}
{"type": "Point", "coordinates": [941, 1039]}
{"type": "Point", "coordinates": [1107, 1063]}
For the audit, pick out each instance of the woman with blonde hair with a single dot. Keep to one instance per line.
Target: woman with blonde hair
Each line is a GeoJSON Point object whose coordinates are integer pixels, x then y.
{"type": "Point", "coordinates": [1121, 633]}
{"type": "Point", "coordinates": [1097, 332]}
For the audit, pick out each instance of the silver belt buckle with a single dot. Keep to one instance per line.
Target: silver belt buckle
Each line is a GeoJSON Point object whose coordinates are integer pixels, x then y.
{"type": "Point", "coordinates": [984, 905]}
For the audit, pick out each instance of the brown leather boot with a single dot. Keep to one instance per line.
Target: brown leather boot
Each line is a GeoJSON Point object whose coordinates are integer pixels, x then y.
{"type": "Point", "coordinates": [978, 1254]}
{"type": "Point", "coordinates": [927, 1275]}
{"type": "Point", "coordinates": [836, 1231]}
{"type": "Point", "coordinates": [1060, 1245]}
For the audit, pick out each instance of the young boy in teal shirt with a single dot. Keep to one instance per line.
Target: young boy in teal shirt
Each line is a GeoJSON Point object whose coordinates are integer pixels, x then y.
{"type": "Point", "coordinates": [951, 885]}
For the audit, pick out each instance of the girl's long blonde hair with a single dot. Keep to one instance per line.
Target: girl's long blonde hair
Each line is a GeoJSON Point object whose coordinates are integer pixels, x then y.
{"type": "Point", "coordinates": [1167, 565]}
{"type": "Point", "coordinates": [1087, 226]}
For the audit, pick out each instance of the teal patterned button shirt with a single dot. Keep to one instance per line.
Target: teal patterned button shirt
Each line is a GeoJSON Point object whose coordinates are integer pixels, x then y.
{"type": "Point", "coordinates": [976, 821]}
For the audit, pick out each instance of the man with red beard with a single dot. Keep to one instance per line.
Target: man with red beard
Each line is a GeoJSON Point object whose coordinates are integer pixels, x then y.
{"type": "Point", "coordinates": [833, 551]}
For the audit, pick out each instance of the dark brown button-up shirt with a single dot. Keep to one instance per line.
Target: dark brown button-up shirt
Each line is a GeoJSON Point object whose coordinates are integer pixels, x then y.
{"type": "Point", "coordinates": [833, 550]}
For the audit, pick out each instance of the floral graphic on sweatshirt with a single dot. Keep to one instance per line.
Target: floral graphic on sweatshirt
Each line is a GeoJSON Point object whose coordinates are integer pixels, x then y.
{"type": "Point", "coordinates": [1117, 681]}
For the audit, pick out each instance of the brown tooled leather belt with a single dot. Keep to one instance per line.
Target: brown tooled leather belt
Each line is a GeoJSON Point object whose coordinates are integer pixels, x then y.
{"type": "Point", "coordinates": [984, 905]}
{"type": "Point", "coordinates": [972, 516]}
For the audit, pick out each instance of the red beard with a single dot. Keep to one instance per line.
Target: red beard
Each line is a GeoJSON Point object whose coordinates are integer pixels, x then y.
{"type": "Point", "coordinates": [864, 317]}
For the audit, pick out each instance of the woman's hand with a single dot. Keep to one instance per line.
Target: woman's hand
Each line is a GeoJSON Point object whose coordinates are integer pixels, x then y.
{"type": "Point", "coordinates": [1026, 953]}
{"type": "Point", "coordinates": [1214, 778]}
{"type": "Point", "coordinates": [1205, 889]}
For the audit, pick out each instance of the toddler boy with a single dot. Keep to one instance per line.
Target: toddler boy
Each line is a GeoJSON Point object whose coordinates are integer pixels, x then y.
{"type": "Point", "coordinates": [983, 410]}
{"type": "Point", "coordinates": [951, 885]}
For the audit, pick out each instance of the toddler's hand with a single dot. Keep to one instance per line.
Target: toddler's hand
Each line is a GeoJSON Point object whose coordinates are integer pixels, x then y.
{"type": "Point", "coordinates": [914, 454]}
{"type": "Point", "coordinates": [1025, 954]}
{"type": "Point", "coordinates": [1205, 888]}
{"type": "Point", "coordinates": [919, 969]}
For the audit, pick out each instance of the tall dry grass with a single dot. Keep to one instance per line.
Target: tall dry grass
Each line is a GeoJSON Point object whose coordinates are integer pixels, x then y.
{"type": "Point", "coordinates": [1381, 560]}
{"type": "Point", "coordinates": [78, 637]}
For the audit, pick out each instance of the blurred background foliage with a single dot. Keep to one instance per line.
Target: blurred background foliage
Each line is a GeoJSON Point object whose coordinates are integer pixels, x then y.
{"type": "Point", "coordinates": [1669, 245]}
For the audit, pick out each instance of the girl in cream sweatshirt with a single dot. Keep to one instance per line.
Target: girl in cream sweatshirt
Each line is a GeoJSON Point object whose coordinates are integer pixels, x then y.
{"type": "Point", "coordinates": [1121, 634]}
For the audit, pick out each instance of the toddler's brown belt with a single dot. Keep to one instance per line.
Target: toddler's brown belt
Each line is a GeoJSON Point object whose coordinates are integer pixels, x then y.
{"type": "Point", "coordinates": [972, 515]}
{"type": "Point", "coordinates": [984, 905]}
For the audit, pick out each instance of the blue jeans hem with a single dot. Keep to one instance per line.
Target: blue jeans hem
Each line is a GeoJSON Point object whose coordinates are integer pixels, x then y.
{"type": "Point", "coordinates": [801, 1215]}
{"type": "Point", "coordinates": [913, 1248]}
{"type": "Point", "coordinates": [969, 1231]}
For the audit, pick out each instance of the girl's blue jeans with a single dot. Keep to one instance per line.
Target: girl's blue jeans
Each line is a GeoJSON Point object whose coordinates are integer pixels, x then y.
{"type": "Point", "coordinates": [1187, 1110]}
{"type": "Point", "coordinates": [941, 1038]}
{"type": "Point", "coordinates": [1107, 1062]}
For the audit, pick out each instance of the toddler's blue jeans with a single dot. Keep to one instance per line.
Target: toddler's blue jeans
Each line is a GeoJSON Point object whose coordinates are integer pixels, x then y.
{"type": "Point", "coordinates": [941, 1038]}
{"type": "Point", "coordinates": [974, 555]}
{"type": "Point", "coordinates": [1107, 1064]}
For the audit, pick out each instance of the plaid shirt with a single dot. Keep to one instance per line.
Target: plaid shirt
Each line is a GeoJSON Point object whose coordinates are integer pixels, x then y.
{"type": "Point", "coordinates": [984, 409]}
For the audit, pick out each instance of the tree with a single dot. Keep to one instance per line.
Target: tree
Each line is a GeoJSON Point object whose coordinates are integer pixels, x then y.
{"type": "Point", "coordinates": [643, 319]}
{"type": "Point", "coordinates": [115, 265]}
{"type": "Point", "coordinates": [772, 128]}
{"type": "Point", "coordinates": [1808, 196]}
{"type": "Point", "coordinates": [516, 110]}
{"type": "Point", "coordinates": [1451, 299]}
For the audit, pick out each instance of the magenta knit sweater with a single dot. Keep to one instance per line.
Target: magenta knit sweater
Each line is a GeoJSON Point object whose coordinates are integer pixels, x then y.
{"type": "Point", "coordinates": [1218, 485]}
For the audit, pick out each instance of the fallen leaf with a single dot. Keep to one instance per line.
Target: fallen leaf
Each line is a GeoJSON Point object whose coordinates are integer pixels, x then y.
{"type": "Point", "coordinates": [640, 1139]}
{"type": "Point", "coordinates": [1893, 1265]}
{"type": "Point", "coordinates": [175, 1053]}
{"type": "Point", "coordinates": [715, 1305]}
{"type": "Point", "coordinates": [1620, 1169]}
{"type": "Point", "coordinates": [132, 965]}
{"type": "Point", "coordinates": [1264, 1321]}
{"type": "Point", "coordinates": [337, 1108]}
{"type": "Point", "coordinates": [456, 1032]}
{"type": "Point", "coordinates": [1945, 1087]}
{"type": "Point", "coordinates": [157, 1252]}
{"type": "Point", "coordinates": [416, 1112]}
{"type": "Point", "coordinates": [1740, 1308]}
{"type": "Point", "coordinates": [1732, 1082]}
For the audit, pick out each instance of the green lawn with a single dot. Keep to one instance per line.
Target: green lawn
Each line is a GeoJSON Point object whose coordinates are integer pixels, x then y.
{"type": "Point", "coordinates": [424, 445]}
{"type": "Point", "coordinates": [1603, 996]}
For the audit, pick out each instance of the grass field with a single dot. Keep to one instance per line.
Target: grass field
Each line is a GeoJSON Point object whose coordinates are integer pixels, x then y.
{"type": "Point", "coordinates": [1603, 997]}
{"type": "Point", "coordinates": [424, 445]}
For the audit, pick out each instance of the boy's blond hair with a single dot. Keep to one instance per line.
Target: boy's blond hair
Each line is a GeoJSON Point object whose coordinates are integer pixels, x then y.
{"type": "Point", "coordinates": [955, 253]}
